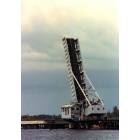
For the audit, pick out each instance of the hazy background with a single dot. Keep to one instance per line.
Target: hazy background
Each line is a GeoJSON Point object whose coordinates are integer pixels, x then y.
{"type": "Point", "coordinates": [45, 85]}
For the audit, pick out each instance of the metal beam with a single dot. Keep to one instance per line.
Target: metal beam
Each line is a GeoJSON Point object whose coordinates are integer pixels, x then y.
{"type": "Point", "coordinates": [80, 88]}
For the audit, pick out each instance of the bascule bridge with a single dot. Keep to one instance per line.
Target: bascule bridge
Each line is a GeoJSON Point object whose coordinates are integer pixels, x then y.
{"type": "Point", "coordinates": [86, 102]}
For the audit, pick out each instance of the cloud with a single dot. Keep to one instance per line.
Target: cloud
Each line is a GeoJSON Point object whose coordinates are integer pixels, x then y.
{"type": "Point", "coordinates": [45, 23]}
{"type": "Point", "coordinates": [55, 11]}
{"type": "Point", "coordinates": [99, 45]}
{"type": "Point", "coordinates": [29, 54]}
{"type": "Point", "coordinates": [33, 60]}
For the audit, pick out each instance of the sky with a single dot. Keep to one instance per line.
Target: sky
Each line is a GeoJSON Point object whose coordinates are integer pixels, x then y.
{"type": "Point", "coordinates": [44, 85]}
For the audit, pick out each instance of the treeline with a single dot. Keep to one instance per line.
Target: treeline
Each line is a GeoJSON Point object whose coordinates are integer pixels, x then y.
{"type": "Point", "coordinates": [114, 114]}
{"type": "Point", "coordinates": [39, 117]}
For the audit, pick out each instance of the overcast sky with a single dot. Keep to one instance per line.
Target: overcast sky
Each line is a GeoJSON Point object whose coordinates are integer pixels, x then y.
{"type": "Point", "coordinates": [45, 85]}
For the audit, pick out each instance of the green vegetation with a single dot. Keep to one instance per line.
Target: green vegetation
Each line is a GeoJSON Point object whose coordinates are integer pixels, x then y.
{"type": "Point", "coordinates": [114, 114]}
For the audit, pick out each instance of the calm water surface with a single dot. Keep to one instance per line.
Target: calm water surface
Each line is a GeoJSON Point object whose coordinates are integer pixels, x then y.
{"type": "Point", "coordinates": [67, 134]}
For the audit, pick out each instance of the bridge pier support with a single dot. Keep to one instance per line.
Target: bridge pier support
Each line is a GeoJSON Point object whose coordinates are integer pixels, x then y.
{"type": "Point", "coordinates": [70, 125]}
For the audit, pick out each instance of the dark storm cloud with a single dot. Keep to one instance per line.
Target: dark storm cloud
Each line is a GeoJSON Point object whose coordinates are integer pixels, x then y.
{"type": "Point", "coordinates": [97, 41]}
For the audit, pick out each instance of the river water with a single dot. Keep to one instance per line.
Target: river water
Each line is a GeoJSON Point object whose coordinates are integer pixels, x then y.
{"type": "Point", "coordinates": [68, 134]}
